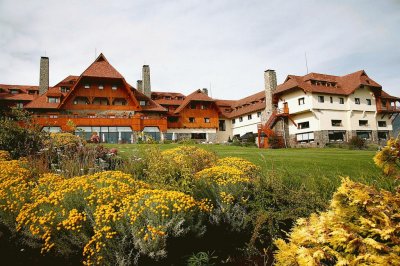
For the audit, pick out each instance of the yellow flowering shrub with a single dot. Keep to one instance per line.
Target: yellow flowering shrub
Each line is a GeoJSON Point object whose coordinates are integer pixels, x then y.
{"type": "Point", "coordinates": [4, 155]}
{"type": "Point", "coordinates": [248, 168]}
{"type": "Point", "coordinates": [109, 216]}
{"type": "Point", "coordinates": [361, 227]}
{"type": "Point", "coordinates": [388, 159]}
{"type": "Point", "coordinates": [174, 168]}
{"type": "Point", "coordinates": [64, 140]}
{"type": "Point", "coordinates": [15, 187]}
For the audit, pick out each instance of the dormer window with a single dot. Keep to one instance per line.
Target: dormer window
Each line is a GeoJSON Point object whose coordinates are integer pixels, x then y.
{"type": "Point", "coordinates": [64, 89]}
{"type": "Point", "coordinates": [87, 86]}
{"type": "Point", "coordinates": [167, 97]}
{"type": "Point", "coordinates": [19, 105]}
{"type": "Point", "coordinates": [31, 92]}
{"type": "Point", "coordinates": [114, 87]}
{"type": "Point", "coordinates": [53, 99]}
{"type": "Point", "coordinates": [14, 91]}
{"type": "Point", "coordinates": [101, 87]}
{"type": "Point", "coordinates": [142, 103]}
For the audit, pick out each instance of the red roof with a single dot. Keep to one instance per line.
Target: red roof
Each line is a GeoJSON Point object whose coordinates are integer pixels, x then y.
{"type": "Point", "coordinates": [322, 83]}
{"type": "Point", "coordinates": [151, 106]}
{"type": "Point", "coordinates": [41, 102]}
{"type": "Point", "coordinates": [68, 81]}
{"type": "Point", "coordinates": [101, 68]}
{"type": "Point", "coordinates": [22, 95]}
{"type": "Point", "coordinates": [197, 95]}
{"type": "Point", "coordinates": [247, 105]}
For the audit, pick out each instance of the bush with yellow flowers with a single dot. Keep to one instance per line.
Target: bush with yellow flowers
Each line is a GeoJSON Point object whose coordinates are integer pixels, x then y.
{"type": "Point", "coordinates": [15, 186]}
{"type": "Point", "coordinates": [228, 188]}
{"type": "Point", "coordinates": [64, 140]}
{"type": "Point", "coordinates": [249, 169]}
{"type": "Point", "coordinates": [361, 227]}
{"type": "Point", "coordinates": [176, 167]}
{"type": "Point", "coordinates": [388, 159]}
{"type": "Point", "coordinates": [4, 155]}
{"type": "Point", "coordinates": [108, 217]}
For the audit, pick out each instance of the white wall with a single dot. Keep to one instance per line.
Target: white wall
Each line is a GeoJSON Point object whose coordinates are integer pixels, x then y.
{"type": "Point", "coordinates": [241, 128]}
{"type": "Point", "coordinates": [223, 136]}
{"type": "Point", "coordinates": [292, 98]}
{"type": "Point", "coordinates": [304, 117]}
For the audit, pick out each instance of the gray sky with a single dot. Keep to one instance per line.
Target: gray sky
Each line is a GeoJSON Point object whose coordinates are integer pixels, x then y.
{"type": "Point", "coordinates": [192, 44]}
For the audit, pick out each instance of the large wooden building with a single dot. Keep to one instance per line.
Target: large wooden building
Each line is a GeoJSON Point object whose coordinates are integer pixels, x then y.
{"type": "Point", "coordinates": [100, 101]}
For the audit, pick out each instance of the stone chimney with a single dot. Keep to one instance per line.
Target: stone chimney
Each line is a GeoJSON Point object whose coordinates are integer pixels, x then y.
{"type": "Point", "coordinates": [205, 91]}
{"type": "Point", "coordinates": [270, 86]}
{"type": "Point", "coordinates": [44, 75]}
{"type": "Point", "coordinates": [146, 80]}
{"type": "Point", "coordinates": [139, 85]}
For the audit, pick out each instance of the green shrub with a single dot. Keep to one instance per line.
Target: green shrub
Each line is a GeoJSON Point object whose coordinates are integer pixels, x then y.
{"type": "Point", "coordinates": [20, 140]}
{"type": "Point", "coordinates": [361, 227]}
{"type": "Point", "coordinates": [357, 143]}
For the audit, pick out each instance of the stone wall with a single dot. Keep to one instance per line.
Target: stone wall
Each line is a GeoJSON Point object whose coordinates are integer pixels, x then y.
{"type": "Point", "coordinates": [44, 75]}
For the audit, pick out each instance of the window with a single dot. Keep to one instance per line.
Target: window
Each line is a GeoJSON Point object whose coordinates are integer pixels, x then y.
{"type": "Point", "coordinates": [363, 123]}
{"type": "Point", "coordinates": [199, 136]}
{"type": "Point", "coordinates": [258, 114]}
{"type": "Point", "coordinates": [193, 106]}
{"type": "Point", "coordinates": [191, 119]}
{"type": "Point", "coordinates": [301, 101]}
{"type": "Point", "coordinates": [101, 87]}
{"type": "Point", "coordinates": [321, 99]}
{"type": "Point", "coordinates": [336, 123]}
{"type": "Point", "coordinates": [305, 137]}
{"type": "Point", "coordinates": [381, 123]}
{"type": "Point", "coordinates": [114, 87]}
{"type": "Point", "coordinates": [53, 116]}
{"type": "Point", "coordinates": [172, 119]}
{"type": "Point", "coordinates": [53, 99]}
{"type": "Point", "coordinates": [19, 105]}
{"type": "Point", "coordinates": [331, 99]}
{"type": "Point", "coordinates": [303, 125]}
{"type": "Point", "coordinates": [383, 103]}
{"type": "Point", "coordinates": [204, 107]}
{"type": "Point", "coordinates": [357, 100]}
{"type": "Point", "coordinates": [364, 134]}
{"type": "Point", "coordinates": [369, 102]}
{"type": "Point", "coordinates": [14, 91]}
{"type": "Point", "coordinates": [142, 103]}
{"type": "Point", "coordinates": [383, 135]}
{"type": "Point", "coordinates": [221, 125]}
{"type": "Point", "coordinates": [64, 89]}
{"type": "Point", "coordinates": [336, 136]}
{"type": "Point", "coordinates": [233, 121]}
{"type": "Point", "coordinates": [32, 92]}
{"type": "Point", "coordinates": [341, 100]}
{"type": "Point", "coordinates": [87, 86]}
{"type": "Point", "coordinates": [249, 117]}
{"type": "Point", "coordinates": [241, 119]}
{"type": "Point", "coordinates": [206, 120]}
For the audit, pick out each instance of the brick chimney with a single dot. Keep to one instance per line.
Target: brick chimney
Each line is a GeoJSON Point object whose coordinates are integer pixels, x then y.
{"type": "Point", "coordinates": [139, 85]}
{"type": "Point", "coordinates": [270, 86]}
{"type": "Point", "coordinates": [146, 80]}
{"type": "Point", "coordinates": [44, 75]}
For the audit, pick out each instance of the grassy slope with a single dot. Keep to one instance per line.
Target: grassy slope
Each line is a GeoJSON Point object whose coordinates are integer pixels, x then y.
{"type": "Point", "coordinates": [317, 169]}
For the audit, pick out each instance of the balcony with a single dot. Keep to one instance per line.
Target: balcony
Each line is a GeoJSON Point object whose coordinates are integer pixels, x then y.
{"type": "Point", "coordinates": [136, 122]}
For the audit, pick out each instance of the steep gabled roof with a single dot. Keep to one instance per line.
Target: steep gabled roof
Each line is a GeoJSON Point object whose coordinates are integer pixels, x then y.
{"type": "Point", "coordinates": [197, 95]}
{"type": "Point", "coordinates": [68, 81]}
{"type": "Point", "coordinates": [323, 83]}
{"type": "Point", "coordinates": [101, 68]}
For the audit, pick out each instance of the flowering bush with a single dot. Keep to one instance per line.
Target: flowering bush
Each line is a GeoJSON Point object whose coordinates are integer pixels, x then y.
{"type": "Point", "coordinates": [175, 168]}
{"type": "Point", "coordinates": [248, 168]}
{"type": "Point", "coordinates": [389, 157]}
{"type": "Point", "coordinates": [109, 216]}
{"type": "Point", "coordinates": [361, 227]}
{"type": "Point", "coordinates": [4, 155]}
{"type": "Point", "coordinates": [228, 189]}
{"type": "Point", "coordinates": [65, 140]}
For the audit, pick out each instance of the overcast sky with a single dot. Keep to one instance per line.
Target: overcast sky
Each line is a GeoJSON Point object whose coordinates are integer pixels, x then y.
{"type": "Point", "coordinates": [192, 44]}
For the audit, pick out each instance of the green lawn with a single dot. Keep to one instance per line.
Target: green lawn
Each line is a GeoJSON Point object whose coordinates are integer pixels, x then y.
{"type": "Point", "coordinates": [317, 169]}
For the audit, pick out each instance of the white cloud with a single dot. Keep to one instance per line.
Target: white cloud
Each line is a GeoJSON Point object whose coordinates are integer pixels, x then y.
{"type": "Point", "coordinates": [190, 44]}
